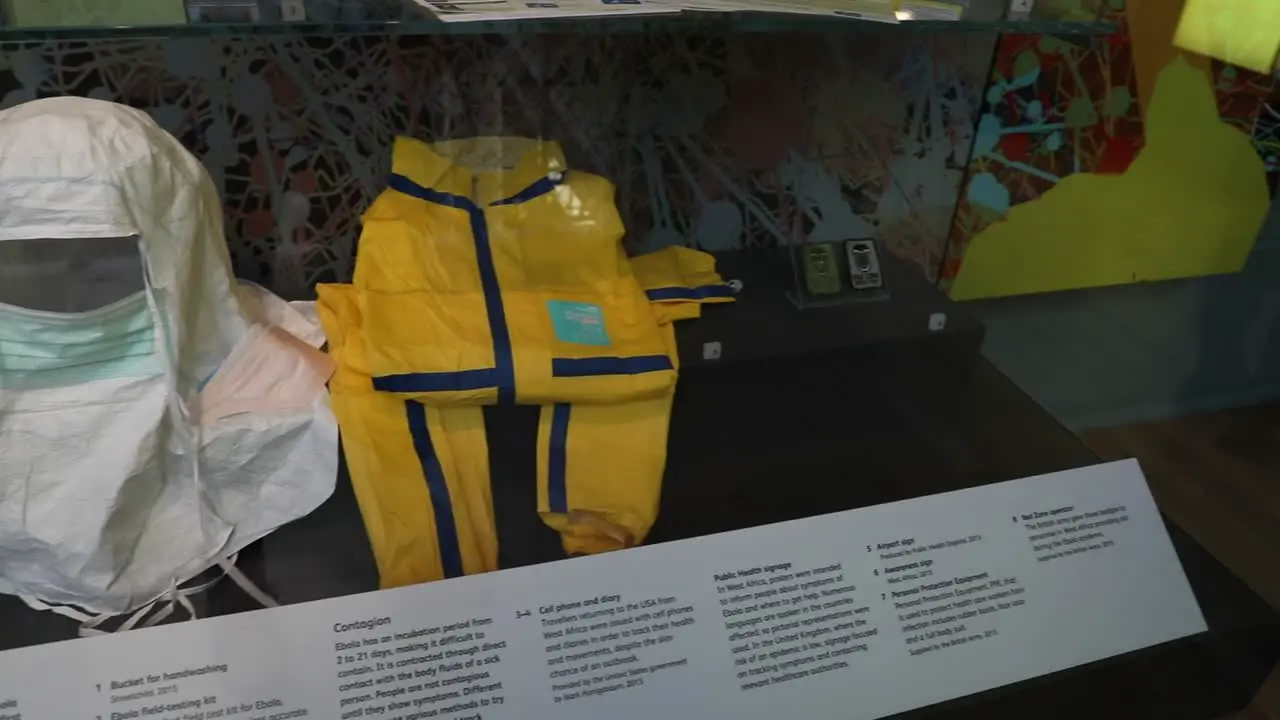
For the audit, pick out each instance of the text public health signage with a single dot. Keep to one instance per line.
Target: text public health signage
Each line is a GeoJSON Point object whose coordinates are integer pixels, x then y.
{"type": "Point", "coordinates": [857, 614]}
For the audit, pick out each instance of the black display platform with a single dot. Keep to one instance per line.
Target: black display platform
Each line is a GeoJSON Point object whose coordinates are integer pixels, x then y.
{"type": "Point", "coordinates": [808, 413]}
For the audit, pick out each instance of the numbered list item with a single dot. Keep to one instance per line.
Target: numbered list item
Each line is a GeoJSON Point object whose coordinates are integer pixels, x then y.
{"type": "Point", "coordinates": [604, 644]}
{"type": "Point", "coordinates": [1065, 531]}
{"type": "Point", "coordinates": [785, 624]}
{"type": "Point", "coordinates": [940, 603]}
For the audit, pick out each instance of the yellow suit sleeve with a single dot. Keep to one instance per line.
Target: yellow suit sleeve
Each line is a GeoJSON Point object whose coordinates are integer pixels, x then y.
{"type": "Point", "coordinates": [678, 275]}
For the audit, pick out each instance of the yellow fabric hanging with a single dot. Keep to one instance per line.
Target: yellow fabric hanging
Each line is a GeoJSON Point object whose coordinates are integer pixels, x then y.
{"type": "Point", "coordinates": [450, 260]}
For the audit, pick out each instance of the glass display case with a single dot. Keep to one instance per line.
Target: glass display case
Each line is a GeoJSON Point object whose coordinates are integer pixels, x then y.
{"type": "Point", "coordinates": [889, 249]}
{"type": "Point", "coordinates": [31, 19]}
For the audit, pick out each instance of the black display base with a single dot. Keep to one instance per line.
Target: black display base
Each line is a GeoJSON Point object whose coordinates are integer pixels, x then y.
{"type": "Point", "coordinates": [764, 323]}
{"type": "Point", "coordinates": [808, 412]}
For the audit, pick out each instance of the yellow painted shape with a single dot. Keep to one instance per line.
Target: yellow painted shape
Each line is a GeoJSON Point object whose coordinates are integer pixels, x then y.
{"type": "Point", "coordinates": [1152, 25]}
{"type": "Point", "coordinates": [1242, 32]}
{"type": "Point", "coordinates": [1191, 204]}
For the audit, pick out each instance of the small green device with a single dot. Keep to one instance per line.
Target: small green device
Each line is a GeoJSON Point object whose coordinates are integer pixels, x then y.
{"type": "Point", "coordinates": [822, 269]}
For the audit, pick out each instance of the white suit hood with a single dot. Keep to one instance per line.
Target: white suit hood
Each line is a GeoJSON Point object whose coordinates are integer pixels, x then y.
{"type": "Point", "coordinates": [81, 168]}
{"type": "Point", "coordinates": [117, 486]}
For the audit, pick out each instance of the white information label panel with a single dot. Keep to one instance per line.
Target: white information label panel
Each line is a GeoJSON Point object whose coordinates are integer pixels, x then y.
{"type": "Point", "coordinates": [856, 614]}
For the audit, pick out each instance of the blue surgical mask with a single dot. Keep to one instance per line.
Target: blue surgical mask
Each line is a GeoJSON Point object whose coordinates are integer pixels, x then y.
{"type": "Point", "coordinates": [40, 349]}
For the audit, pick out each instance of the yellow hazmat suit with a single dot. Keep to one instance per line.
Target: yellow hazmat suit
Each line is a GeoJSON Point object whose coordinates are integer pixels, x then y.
{"type": "Point", "coordinates": [489, 273]}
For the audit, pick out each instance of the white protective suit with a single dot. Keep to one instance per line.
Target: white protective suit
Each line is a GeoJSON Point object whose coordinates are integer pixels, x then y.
{"type": "Point", "coordinates": [152, 422]}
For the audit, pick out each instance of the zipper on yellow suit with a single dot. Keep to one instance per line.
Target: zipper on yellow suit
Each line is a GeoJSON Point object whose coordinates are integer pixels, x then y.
{"type": "Point", "coordinates": [502, 375]}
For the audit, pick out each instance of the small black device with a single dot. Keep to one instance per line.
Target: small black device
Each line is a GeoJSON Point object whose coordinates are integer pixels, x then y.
{"type": "Point", "coordinates": [864, 265]}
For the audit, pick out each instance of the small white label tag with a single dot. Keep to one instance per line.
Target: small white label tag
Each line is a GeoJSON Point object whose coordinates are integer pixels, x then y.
{"type": "Point", "coordinates": [922, 10]}
{"type": "Point", "coordinates": [293, 10]}
{"type": "Point", "coordinates": [1021, 9]}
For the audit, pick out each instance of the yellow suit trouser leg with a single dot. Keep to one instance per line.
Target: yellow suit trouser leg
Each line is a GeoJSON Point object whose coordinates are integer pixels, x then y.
{"type": "Point", "coordinates": [420, 474]}
{"type": "Point", "coordinates": [600, 471]}
{"type": "Point", "coordinates": [421, 477]}
{"type": "Point", "coordinates": [600, 467]}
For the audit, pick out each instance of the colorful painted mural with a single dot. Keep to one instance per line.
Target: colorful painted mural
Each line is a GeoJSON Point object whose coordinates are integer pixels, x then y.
{"type": "Point", "coordinates": [1054, 107]}
{"type": "Point", "coordinates": [1058, 106]}
{"type": "Point", "coordinates": [1251, 102]}
{"type": "Point", "coordinates": [716, 141]}
{"type": "Point", "coordinates": [1191, 203]}
{"type": "Point", "coordinates": [1266, 137]}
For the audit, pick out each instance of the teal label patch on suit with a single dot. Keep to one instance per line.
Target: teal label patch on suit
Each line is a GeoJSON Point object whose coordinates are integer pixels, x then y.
{"type": "Point", "coordinates": [579, 323]}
